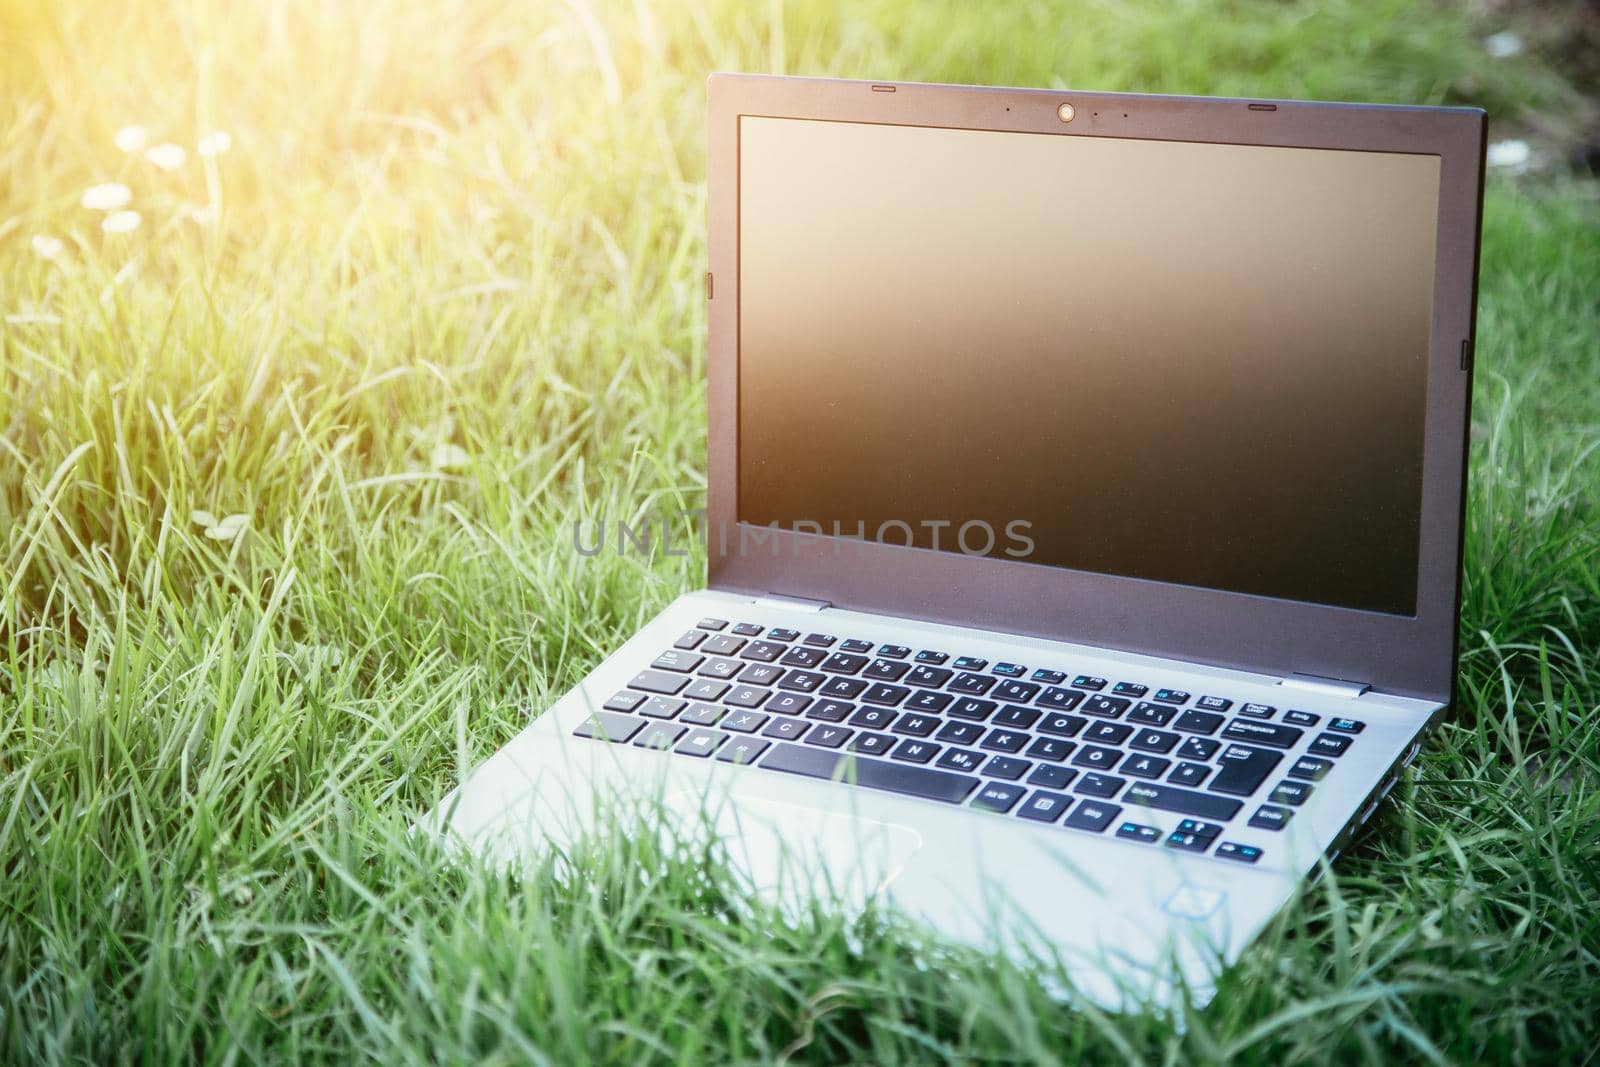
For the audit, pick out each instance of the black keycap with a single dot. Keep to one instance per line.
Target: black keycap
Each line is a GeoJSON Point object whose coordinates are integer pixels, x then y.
{"type": "Point", "coordinates": [844, 688]}
{"type": "Point", "coordinates": [1057, 699]}
{"type": "Point", "coordinates": [760, 674]}
{"type": "Point", "coordinates": [1147, 714]}
{"type": "Point", "coordinates": [786, 729]}
{"type": "Point", "coordinates": [1153, 741]}
{"type": "Point", "coordinates": [1044, 806]}
{"type": "Point", "coordinates": [1198, 722]}
{"type": "Point", "coordinates": [662, 707]}
{"type": "Point", "coordinates": [820, 640]}
{"type": "Point", "coordinates": [746, 629]}
{"type": "Point", "coordinates": [701, 715]}
{"type": "Point", "coordinates": [928, 701]}
{"type": "Point", "coordinates": [1105, 707]}
{"type": "Point", "coordinates": [844, 663]}
{"type": "Point", "coordinates": [720, 668]}
{"type": "Point", "coordinates": [722, 645]}
{"type": "Point", "coordinates": [1182, 801]}
{"type": "Point", "coordinates": [1201, 748]}
{"type": "Point", "coordinates": [1141, 766]}
{"type": "Point", "coordinates": [801, 681]}
{"type": "Point", "coordinates": [744, 722]}
{"type": "Point", "coordinates": [1189, 774]}
{"type": "Point", "coordinates": [1242, 769]}
{"type": "Point", "coordinates": [1347, 726]}
{"type": "Point", "coordinates": [1015, 691]}
{"type": "Point", "coordinates": [1301, 718]}
{"type": "Point", "coordinates": [1290, 792]}
{"type": "Point", "coordinates": [1062, 725]}
{"type": "Point", "coordinates": [1230, 850]}
{"type": "Point", "coordinates": [1089, 681]}
{"type": "Point", "coordinates": [915, 751]}
{"type": "Point", "coordinates": [961, 733]}
{"type": "Point", "coordinates": [742, 750]}
{"type": "Point", "coordinates": [746, 696]}
{"type": "Point", "coordinates": [998, 796]}
{"type": "Point", "coordinates": [1132, 831]}
{"type": "Point", "coordinates": [690, 639]}
{"type": "Point", "coordinates": [873, 718]}
{"type": "Point", "coordinates": [1214, 703]}
{"type": "Point", "coordinates": [971, 708]}
{"type": "Point", "coordinates": [1000, 740]}
{"type": "Point", "coordinates": [762, 651]}
{"type": "Point", "coordinates": [1050, 748]}
{"type": "Point", "coordinates": [1328, 745]}
{"type": "Point", "coordinates": [894, 651]}
{"type": "Point", "coordinates": [712, 624]}
{"type": "Point", "coordinates": [700, 743]}
{"type": "Point", "coordinates": [704, 689]}
{"type": "Point", "coordinates": [928, 677]}
{"type": "Point", "coordinates": [659, 735]}
{"type": "Point", "coordinates": [624, 701]}
{"type": "Point", "coordinates": [1008, 767]}
{"type": "Point", "coordinates": [658, 682]}
{"type": "Point", "coordinates": [609, 726]}
{"type": "Point", "coordinates": [1187, 842]}
{"type": "Point", "coordinates": [828, 736]}
{"type": "Point", "coordinates": [1049, 677]}
{"type": "Point", "coordinates": [1130, 689]}
{"type": "Point", "coordinates": [1010, 670]}
{"type": "Point", "coordinates": [1108, 733]}
{"type": "Point", "coordinates": [1092, 816]}
{"type": "Point", "coordinates": [855, 644]}
{"type": "Point", "coordinates": [960, 759]}
{"type": "Point", "coordinates": [872, 744]}
{"type": "Point", "coordinates": [678, 661]}
{"type": "Point", "coordinates": [1262, 733]}
{"type": "Point", "coordinates": [1310, 768]}
{"type": "Point", "coordinates": [1052, 777]}
{"type": "Point", "coordinates": [1017, 718]}
{"type": "Point", "coordinates": [830, 710]}
{"type": "Point", "coordinates": [1172, 696]}
{"type": "Point", "coordinates": [1268, 817]}
{"type": "Point", "coordinates": [971, 684]}
{"type": "Point", "coordinates": [970, 663]}
{"type": "Point", "coordinates": [1099, 785]}
{"type": "Point", "coordinates": [1199, 828]}
{"type": "Point", "coordinates": [874, 774]}
{"type": "Point", "coordinates": [885, 694]}
{"type": "Point", "coordinates": [787, 703]}
{"type": "Point", "coordinates": [885, 670]}
{"type": "Point", "coordinates": [916, 725]}
{"type": "Point", "coordinates": [1258, 711]}
{"type": "Point", "coordinates": [928, 656]}
{"type": "Point", "coordinates": [800, 656]}
{"type": "Point", "coordinates": [1097, 758]}
{"type": "Point", "coordinates": [777, 633]}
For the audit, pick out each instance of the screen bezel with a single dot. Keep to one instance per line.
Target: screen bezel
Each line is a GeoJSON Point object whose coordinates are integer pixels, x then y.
{"type": "Point", "coordinates": [1410, 655]}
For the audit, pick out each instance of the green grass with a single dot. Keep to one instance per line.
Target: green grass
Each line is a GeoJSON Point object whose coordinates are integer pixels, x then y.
{"type": "Point", "coordinates": [452, 300]}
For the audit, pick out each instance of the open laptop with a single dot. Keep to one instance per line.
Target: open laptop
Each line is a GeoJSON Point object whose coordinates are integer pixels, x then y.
{"type": "Point", "coordinates": [1084, 516]}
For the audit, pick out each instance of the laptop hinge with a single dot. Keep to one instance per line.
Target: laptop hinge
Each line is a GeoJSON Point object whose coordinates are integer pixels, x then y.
{"type": "Point", "coordinates": [791, 603]}
{"type": "Point", "coordinates": [1331, 687]}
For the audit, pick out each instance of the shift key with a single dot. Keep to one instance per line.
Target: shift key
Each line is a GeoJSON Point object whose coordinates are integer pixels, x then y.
{"type": "Point", "coordinates": [1243, 769]}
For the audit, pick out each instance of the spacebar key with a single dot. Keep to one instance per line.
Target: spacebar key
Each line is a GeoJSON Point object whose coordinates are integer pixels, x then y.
{"type": "Point", "coordinates": [874, 774]}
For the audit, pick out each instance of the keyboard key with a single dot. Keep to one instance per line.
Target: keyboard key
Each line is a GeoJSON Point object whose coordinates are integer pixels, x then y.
{"type": "Point", "coordinates": [1258, 711]}
{"type": "Point", "coordinates": [1262, 733]}
{"type": "Point", "coordinates": [1310, 768]}
{"type": "Point", "coordinates": [972, 684]}
{"type": "Point", "coordinates": [929, 701]}
{"type": "Point", "coordinates": [894, 651]}
{"type": "Point", "coordinates": [608, 726]}
{"type": "Point", "coordinates": [1290, 792]}
{"type": "Point", "coordinates": [885, 694]}
{"type": "Point", "coordinates": [787, 703]}
{"type": "Point", "coordinates": [1043, 806]}
{"type": "Point", "coordinates": [742, 750]}
{"type": "Point", "coordinates": [1049, 677]}
{"type": "Point", "coordinates": [1189, 774]}
{"type": "Point", "coordinates": [1199, 828]}
{"type": "Point", "coordinates": [1092, 816]}
{"type": "Point", "coordinates": [872, 744]}
{"type": "Point", "coordinates": [786, 729]}
{"type": "Point", "coordinates": [928, 656]}
{"type": "Point", "coordinates": [746, 696]}
{"type": "Point", "coordinates": [1182, 801]}
{"type": "Point", "coordinates": [762, 651]}
{"type": "Point", "coordinates": [624, 701]}
{"type": "Point", "coordinates": [1130, 689]}
{"type": "Point", "coordinates": [855, 645]}
{"type": "Point", "coordinates": [915, 751]}
{"type": "Point", "coordinates": [1015, 691]}
{"type": "Point", "coordinates": [971, 708]}
{"type": "Point", "coordinates": [779, 634]}
{"type": "Point", "coordinates": [1301, 718]}
{"type": "Point", "coordinates": [1062, 725]}
{"type": "Point", "coordinates": [1268, 817]}
{"type": "Point", "coordinates": [1187, 842]}
{"type": "Point", "coordinates": [701, 715]}
{"type": "Point", "coordinates": [1058, 699]}
{"type": "Point", "coordinates": [1242, 769]}
{"type": "Point", "coordinates": [1004, 740]}
{"type": "Point", "coordinates": [1140, 766]}
{"type": "Point", "coordinates": [1198, 722]}
{"type": "Point", "coordinates": [662, 707]}
{"type": "Point", "coordinates": [885, 670]}
{"type": "Point", "coordinates": [1172, 696]}
{"type": "Point", "coordinates": [1097, 758]}
{"type": "Point", "coordinates": [712, 624]}
{"type": "Point", "coordinates": [1089, 681]}
{"type": "Point", "coordinates": [873, 774]}
{"type": "Point", "coordinates": [1108, 733]}
{"type": "Point", "coordinates": [744, 722]}
{"type": "Point", "coordinates": [1147, 714]}
{"type": "Point", "coordinates": [659, 735]}
{"type": "Point", "coordinates": [704, 689]}
{"type": "Point", "coordinates": [1132, 831]}
{"type": "Point", "coordinates": [826, 710]}
{"type": "Point", "coordinates": [1050, 748]}
{"type": "Point", "coordinates": [961, 759]}
{"type": "Point", "coordinates": [1099, 785]}
{"type": "Point", "coordinates": [675, 660]}
{"type": "Point", "coordinates": [760, 674]}
{"type": "Point", "coordinates": [722, 669]}
{"type": "Point", "coordinates": [843, 688]}
{"type": "Point", "coordinates": [700, 743]}
{"type": "Point", "coordinates": [961, 733]}
{"type": "Point", "coordinates": [658, 682]}
{"type": "Point", "coordinates": [1153, 741]}
{"type": "Point", "coordinates": [1052, 777]}
{"type": "Point", "coordinates": [690, 639]}
{"type": "Point", "coordinates": [1214, 703]}
{"type": "Point", "coordinates": [746, 629]}
{"type": "Point", "coordinates": [722, 645]}
{"type": "Point", "coordinates": [1008, 767]}
{"type": "Point", "coordinates": [970, 663]}
{"type": "Point", "coordinates": [1104, 706]}
{"type": "Point", "coordinates": [828, 736]}
{"type": "Point", "coordinates": [1347, 726]}
{"type": "Point", "coordinates": [915, 725]}
{"type": "Point", "coordinates": [1328, 745]}
{"type": "Point", "coordinates": [820, 640]}
{"type": "Point", "coordinates": [1200, 748]}
{"type": "Point", "coordinates": [998, 796]}
{"type": "Point", "coordinates": [801, 656]}
{"type": "Point", "coordinates": [928, 677]}
{"type": "Point", "coordinates": [801, 681]}
{"type": "Point", "coordinates": [1010, 670]}
{"type": "Point", "coordinates": [1230, 850]}
{"type": "Point", "coordinates": [1016, 718]}
{"type": "Point", "coordinates": [872, 718]}
{"type": "Point", "coordinates": [844, 663]}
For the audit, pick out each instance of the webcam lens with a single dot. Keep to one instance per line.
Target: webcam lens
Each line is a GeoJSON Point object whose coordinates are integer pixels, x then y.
{"type": "Point", "coordinates": [1066, 112]}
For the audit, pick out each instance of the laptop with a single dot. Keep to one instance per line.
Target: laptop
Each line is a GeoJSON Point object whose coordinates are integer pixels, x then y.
{"type": "Point", "coordinates": [1084, 518]}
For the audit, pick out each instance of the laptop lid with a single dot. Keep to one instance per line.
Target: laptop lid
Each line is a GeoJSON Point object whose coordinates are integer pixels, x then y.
{"type": "Point", "coordinates": [1180, 376]}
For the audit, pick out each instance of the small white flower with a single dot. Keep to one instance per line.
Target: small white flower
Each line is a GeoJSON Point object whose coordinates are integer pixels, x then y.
{"type": "Point", "coordinates": [47, 247]}
{"type": "Point", "coordinates": [225, 529]}
{"type": "Point", "coordinates": [1503, 45]}
{"type": "Point", "coordinates": [448, 457]}
{"type": "Point", "coordinates": [131, 138]}
{"type": "Point", "coordinates": [106, 197]}
{"type": "Point", "coordinates": [213, 144]}
{"type": "Point", "coordinates": [121, 222]}
{"type": "Point", "coordinates": [1513, 155]}
{"type": "Point", "coordinates": [166, 156]}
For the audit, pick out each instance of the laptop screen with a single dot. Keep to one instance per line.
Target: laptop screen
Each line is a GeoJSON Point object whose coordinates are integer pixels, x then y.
{"type": "Point", "coordinates": [1194, 363]}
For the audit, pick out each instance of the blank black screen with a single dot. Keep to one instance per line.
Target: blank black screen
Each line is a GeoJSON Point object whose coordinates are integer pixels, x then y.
{"type": "Point", "coordinates": [1193, 363]}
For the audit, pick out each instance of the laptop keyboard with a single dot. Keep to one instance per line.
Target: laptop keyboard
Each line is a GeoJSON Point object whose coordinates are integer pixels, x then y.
{"type": "Point", "coordinates": [1037, 744]}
